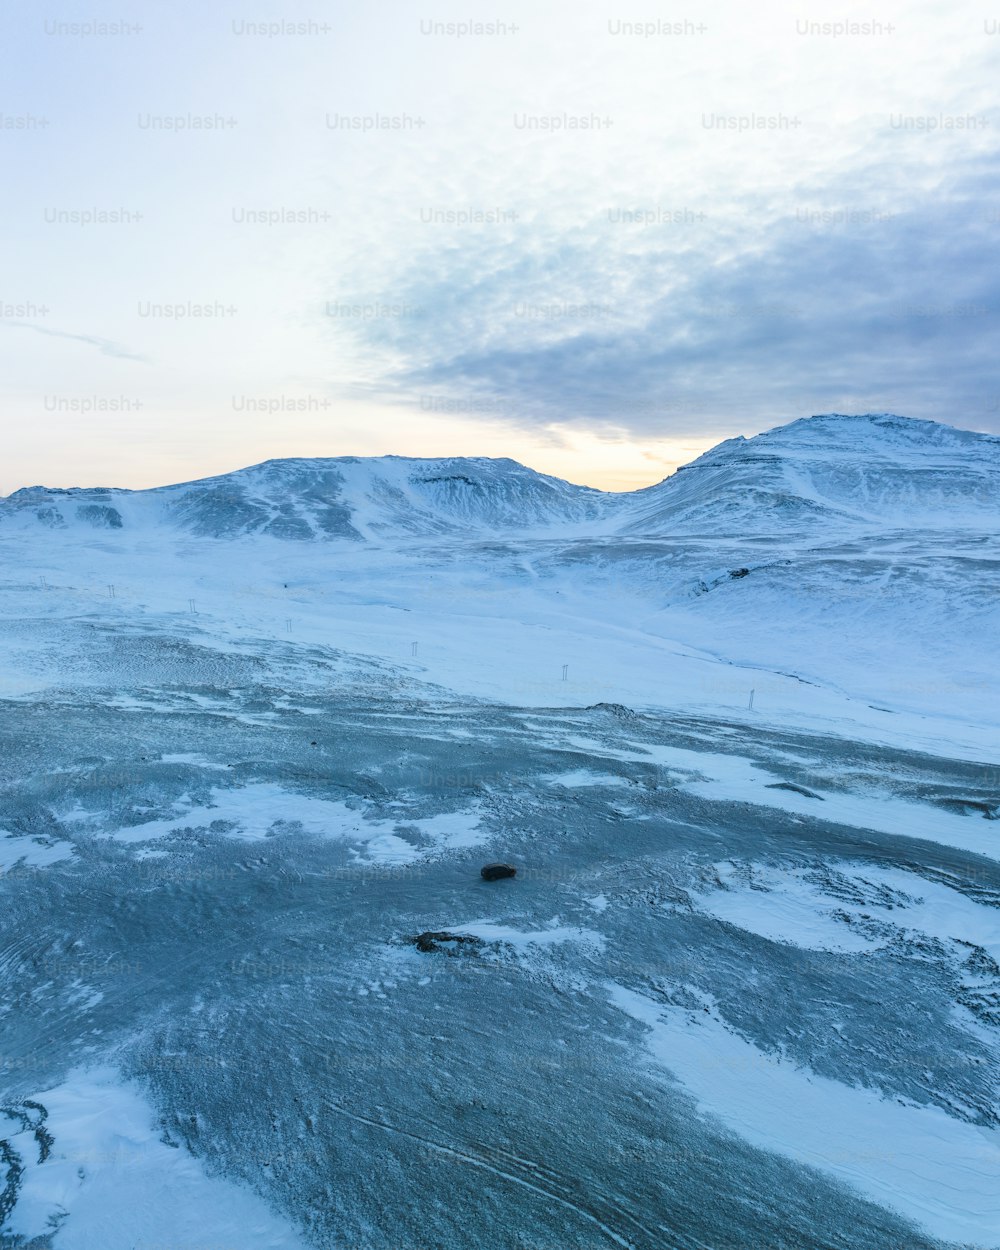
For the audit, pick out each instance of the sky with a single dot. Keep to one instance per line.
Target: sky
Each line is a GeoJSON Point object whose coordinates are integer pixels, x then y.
{"type": "Point", "coordinates": [597, 239]}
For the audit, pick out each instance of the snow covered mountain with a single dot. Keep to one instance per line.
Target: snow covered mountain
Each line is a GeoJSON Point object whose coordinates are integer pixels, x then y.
{"type": "Point", "coordinates": [344, 497]}
{"type": "Point", "coordinates": [853, 471]}
{"type": "Point", "coordinates": [844, 551]}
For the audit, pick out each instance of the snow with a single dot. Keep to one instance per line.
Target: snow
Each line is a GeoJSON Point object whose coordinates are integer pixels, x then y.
{"type": "Point", "coordinates": [112, 1181]}
{"type": "Point", "coordinates": [576, 777]}
{"type": "Point", "coordinates": [624, 647]}
{"type": "Point", "coordinates": [254, 812]}
{"type": "Point", "coordinates": [740, 781]}
{"type": "Point", "coordinates": [865, 630]}
{"type": "Point", "coordinates": [933, 1169]}
{"type": "Point", "coordinates": [735, 778]}
{"type": "Point", "coordinates": [20, 853]}
{"type": "Point", "coordinates": [450, 830]}
{"type": "Point", "coordinates": [791, 905]}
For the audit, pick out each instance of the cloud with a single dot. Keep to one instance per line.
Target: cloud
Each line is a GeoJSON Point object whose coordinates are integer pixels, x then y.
{"type": "Point", "coordinates": [105, 346]}
{"type": "Point", "coordinates": [736, 300]}
{"type": "Point", "coordinates": [846, 299]}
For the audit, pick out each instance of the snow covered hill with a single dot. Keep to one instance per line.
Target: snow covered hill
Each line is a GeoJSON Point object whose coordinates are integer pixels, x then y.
{"type": "Point", "coordinates": [855, 472]}
{"type": "Point", "coordinates": [856, 554]}
{"type": "Point", "coordinates": [345, 497]}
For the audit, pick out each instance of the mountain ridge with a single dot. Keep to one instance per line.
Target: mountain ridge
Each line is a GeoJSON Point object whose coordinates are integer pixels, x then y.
{"type": "Point", "coordinates": [853, 470]}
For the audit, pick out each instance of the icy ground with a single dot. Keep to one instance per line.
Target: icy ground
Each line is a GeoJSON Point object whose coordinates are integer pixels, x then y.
{"type": "Point", "coordinates": [745, 990]}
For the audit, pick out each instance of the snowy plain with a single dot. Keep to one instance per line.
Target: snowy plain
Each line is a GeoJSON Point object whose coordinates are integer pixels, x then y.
{"type": "Point", "coordinates": [261, 731]}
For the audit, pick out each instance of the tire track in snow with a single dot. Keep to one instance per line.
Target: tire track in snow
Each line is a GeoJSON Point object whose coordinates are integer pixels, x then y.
{"type": "Point", "coordinates": [535, 1185]}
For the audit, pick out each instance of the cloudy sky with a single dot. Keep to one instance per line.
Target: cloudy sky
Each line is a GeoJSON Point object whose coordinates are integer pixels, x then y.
{"type": "Point", "coordinates": [595, 238]}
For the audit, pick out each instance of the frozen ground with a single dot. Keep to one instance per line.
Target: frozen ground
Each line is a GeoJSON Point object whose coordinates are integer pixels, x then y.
{"type": "Point", "coordinates": [745, 990]}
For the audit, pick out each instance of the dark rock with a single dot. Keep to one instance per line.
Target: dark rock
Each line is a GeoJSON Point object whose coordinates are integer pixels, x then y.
{"type": "Point", "coordinates": [614, 709]}
{"type": "Point", "coordinates": [988, 810]}
{"type": "Point", "coordinates": [100, 516]}
{"type": "Point", "coordinates": [738, 572]}
{"type": "Point", "coordinates": [496, 872]}
{"type": "Point", "coordinates": [435, 941]}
